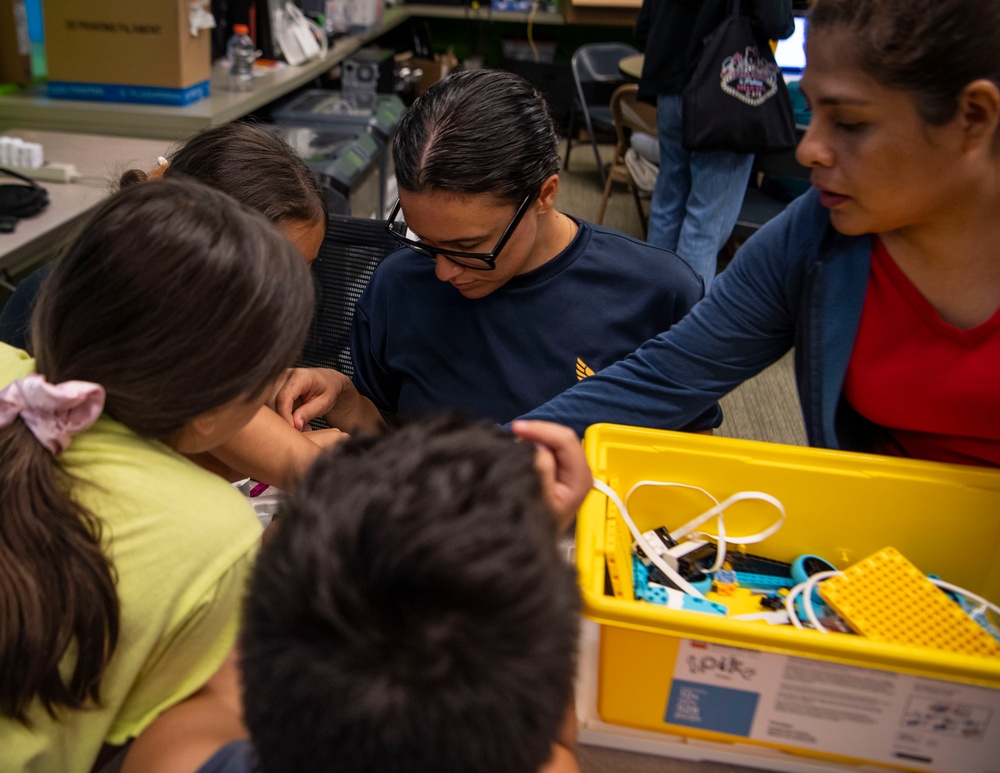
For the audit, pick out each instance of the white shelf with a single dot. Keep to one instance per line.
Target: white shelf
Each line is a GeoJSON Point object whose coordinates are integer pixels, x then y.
{"type": "Point", "coordinates": [32, 109]}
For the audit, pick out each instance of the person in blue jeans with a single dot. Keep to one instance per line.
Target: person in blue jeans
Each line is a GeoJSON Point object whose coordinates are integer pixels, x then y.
{"type": "Point", "coordinates": [698, 195]}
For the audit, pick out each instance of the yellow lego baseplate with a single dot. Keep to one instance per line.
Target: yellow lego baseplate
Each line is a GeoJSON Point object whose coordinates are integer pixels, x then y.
{"type": "Point", "coordinates": [887, 599]}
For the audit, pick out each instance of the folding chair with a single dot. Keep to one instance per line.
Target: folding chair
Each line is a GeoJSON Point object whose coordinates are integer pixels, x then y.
{"type": "Point", "coordinates": [596, 74]}
{"type": "Point", "coordinates": [628, 115]}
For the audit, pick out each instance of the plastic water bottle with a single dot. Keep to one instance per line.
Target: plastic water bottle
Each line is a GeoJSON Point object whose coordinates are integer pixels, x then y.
{"type": "Point", "coordinates": [241, 53]}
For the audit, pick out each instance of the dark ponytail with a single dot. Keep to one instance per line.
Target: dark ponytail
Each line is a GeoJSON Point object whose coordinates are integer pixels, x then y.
{"type": "Point", "coordinates": [56, 585]}
{"type": "Point", "coordinates": [253, 165]}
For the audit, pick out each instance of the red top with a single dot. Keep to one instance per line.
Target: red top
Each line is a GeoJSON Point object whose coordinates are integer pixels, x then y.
{"type": "Point", "coordinates": [935, 388]}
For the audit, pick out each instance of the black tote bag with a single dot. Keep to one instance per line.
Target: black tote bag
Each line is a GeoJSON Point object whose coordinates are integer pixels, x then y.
{"type": "Point", "coordinates": [736, 99]}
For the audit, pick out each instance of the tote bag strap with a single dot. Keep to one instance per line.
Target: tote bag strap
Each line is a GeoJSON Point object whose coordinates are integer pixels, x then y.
{"type": "Point", "coordinates": [733, 8]}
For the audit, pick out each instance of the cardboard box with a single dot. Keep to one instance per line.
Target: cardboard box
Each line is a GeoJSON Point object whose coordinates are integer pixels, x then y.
{"type": "Point", "coordinates": [433, 69]}
{"type": "Point", "coordinates": [771, 693]}
{"type": "Point", "coordinates": [126, 51]}
{"type": "Point", "coordinates": [15, 45]}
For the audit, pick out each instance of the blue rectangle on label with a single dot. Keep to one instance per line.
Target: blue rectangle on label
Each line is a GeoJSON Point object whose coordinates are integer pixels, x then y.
{"type": "Point", "coordinates": [708, 707]}
{"type": "Point", "coordinates": [116, 92]}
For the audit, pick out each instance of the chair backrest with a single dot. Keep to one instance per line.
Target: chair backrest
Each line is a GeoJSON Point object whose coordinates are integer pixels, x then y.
{"type": "Point", "coordinates": [595, 70]}
{"type": "Point", "coordinates": [351, 251]}
{"type": "Point", "coordinates": [599, 61]}
{"type": "Point", "coordinates": [629, 113]}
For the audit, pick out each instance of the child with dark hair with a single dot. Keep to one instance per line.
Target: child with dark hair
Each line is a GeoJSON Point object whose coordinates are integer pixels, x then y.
{"type": "Point", "coordinates": [245, 160]}
{"type": "Point", "coordinates": [412, 613]}
{"type": "Point", "coordinates": [122, 563]}
{"type": "Point", "coordinates": [261, 171]}
{"type": "Point", "coordinates": [501, 301]}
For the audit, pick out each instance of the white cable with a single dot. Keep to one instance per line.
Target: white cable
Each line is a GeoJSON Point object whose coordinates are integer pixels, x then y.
{"type": "Point", "coordinates": [648, 549]}
{"type": "Point", "coordinates": [738, 497]}
{"type": "Point", "coordinates": [688, 529]}
{"type": "Point", "coordinates": [807, 602]}
{"type": "Point", "coordinates": [682, 531]}
{"type": "Point", "coordinates": [983, 603]}
{"type": "Point", "coordinates": [805, 589]}
{"type": "Point", "coordinates": [793, 616]}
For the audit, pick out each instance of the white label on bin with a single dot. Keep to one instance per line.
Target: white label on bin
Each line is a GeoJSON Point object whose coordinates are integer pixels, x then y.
{"type": "Point", "coordinates": [866, 713]}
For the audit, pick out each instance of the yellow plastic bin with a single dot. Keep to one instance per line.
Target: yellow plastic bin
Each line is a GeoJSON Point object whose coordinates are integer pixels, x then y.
{"type": "Point", "coordinates": [833, 697]}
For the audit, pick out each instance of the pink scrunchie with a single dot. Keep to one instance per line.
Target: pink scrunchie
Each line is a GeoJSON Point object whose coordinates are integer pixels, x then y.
{"type": "Point", "coordinates": [53, 412]}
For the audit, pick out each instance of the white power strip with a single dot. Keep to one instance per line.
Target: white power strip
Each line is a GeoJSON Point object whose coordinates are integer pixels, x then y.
{"type": "Point", "coordinates": [52, 173]}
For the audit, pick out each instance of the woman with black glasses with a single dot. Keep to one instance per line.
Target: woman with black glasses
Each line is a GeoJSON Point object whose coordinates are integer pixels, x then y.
{"type": "Point", "coordinates": [497, 301]}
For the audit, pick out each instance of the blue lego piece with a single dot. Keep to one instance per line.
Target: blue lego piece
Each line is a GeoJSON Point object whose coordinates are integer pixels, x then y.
{"type": "Point", "coordinates": [657, 595]}
{"type": "Point", "coordinates": [668, 597]}
{"type": "Point", "coordinates": [640, 577]}
{"type": "Point", "coordinates": [760, 581]}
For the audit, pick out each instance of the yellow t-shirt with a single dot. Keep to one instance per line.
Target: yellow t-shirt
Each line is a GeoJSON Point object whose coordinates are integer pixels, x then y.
{"type": "Point", "coordinates": [182, 542]}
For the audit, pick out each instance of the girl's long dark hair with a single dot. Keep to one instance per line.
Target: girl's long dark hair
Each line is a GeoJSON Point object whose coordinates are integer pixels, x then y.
{"type": "Point", "coordinates": [176, 300]}
{"type": "Point", "coordinates": [254, 166]}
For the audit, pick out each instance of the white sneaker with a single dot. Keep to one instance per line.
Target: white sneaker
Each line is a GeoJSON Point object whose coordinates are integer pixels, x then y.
{"type": "Point", "coordinates": [643, 171]}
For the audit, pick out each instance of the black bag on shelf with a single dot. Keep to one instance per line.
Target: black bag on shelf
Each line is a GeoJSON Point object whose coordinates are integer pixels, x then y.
{"type": "Point", "coordinates": [19, 201]}
{"type": "Point", "coordinates": [736, 99]}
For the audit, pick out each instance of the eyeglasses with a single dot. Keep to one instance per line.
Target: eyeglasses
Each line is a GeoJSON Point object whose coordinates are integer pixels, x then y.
{"type": "Point", "coordinates": [477, 261]}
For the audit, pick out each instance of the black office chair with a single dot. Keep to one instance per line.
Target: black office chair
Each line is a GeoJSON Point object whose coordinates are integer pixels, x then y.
{"type": "Point", "coordinates": [596, 74]}
{"type": "Point", "coordinates": [352, 249]}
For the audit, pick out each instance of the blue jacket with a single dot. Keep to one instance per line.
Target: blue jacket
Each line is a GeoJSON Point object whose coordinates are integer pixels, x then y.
{"type": "Point", "coordinates": [796, 282]}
